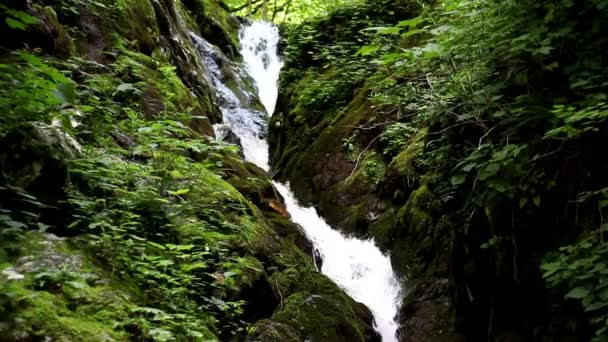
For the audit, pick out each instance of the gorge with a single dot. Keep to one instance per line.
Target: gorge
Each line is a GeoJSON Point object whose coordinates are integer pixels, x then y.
{"type": "Point", "coordinates": [349, 170]}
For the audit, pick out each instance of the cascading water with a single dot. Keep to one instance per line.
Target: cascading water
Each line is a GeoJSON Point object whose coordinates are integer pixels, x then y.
{"type": "Point", "coordinates": [358, 266]}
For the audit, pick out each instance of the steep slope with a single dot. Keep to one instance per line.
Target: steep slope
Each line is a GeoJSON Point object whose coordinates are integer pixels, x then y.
{"type": "Point", "coordinates": [121, 217]}
{"type": "Point", "coordinates": [463, 137]}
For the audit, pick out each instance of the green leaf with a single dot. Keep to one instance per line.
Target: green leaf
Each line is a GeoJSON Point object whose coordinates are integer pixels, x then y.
{"type": "Point", "coordinates": [522, 202]}
{"type": "Point", "coordinates": [410, 22]}
{"type": "Point", "coordinates": [179, 192]}
{"type": "Point", "coordinates": [410, 33]}
{"type": "Point", "coordinates": [127, 87]}
{"type": "Point", "coordinates": [192, 267]}
{"type": "Point", "coordinates": [65, 93]}
{"type": "Point", "coordinates": [367, 50]}
{"type": "Point", "coordinates": [595, 306]}
{"type": "Point", "coordinates": [15, 224]}
{"type": "Point", "coordinates": [489, 171]}
{"type": "Point", "coordinates": [15, 24]}
{"type": "Point", "coordinates": [578, 293]}
{"type": "Point", "coordinates": [159, 246]}
{"type": "Point", "coordinates": [458, 179]}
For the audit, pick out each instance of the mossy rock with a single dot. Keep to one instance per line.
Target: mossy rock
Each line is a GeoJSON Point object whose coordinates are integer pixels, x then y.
{"type": "Point", "coordinates": [50, 34]}
{"type": "Point", "coordinates": [62, 295]}
{"type": "Point", "coordinates": [215, 24]}
{"type": "Point", "coordinates": [320, 303]}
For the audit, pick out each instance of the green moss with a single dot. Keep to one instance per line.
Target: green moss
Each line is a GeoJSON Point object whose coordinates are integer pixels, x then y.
{"type": "Point", "coordinates": [64, 295]}
{"type": "Point", "coordinates": [382, 229]}
{"type": "Point", "coordinates": [214, 23]}
{"type": "Point", "coordinates": [63, 43]}
{"type": "Point", "coordinates": [417, 214]}
{"type": "Point", "coordinates": [319, 303]}
{"type": "Point", "coordinates": [139, 25]}
{"type": "Point", "coordinates": [46, 315]}
{"type": "Point", "coordinates": [404, 164]}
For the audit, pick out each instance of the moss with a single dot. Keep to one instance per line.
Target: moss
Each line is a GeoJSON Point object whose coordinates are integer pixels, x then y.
{"type": "Point", "coordinates": [303, 147]}
{"type": "Point", "coordinates": [382, 229]}
{"type": "Point", "coordinates": [163, 94]}
{"type": "Point", "coordinates": [404, 164]}
{"type": "Point", "coordinates": [64, 295]}
{"type": "Point", "coordinates": [137, 23]}
{"type": "Point", "coordinates": [46, 315]}
{"type": "Point", "coordinates": [215, 24]}
{"type": "Point", "coordinates": [320, 303]}
{"type": "Point", "coordinates": [417, 214]}
{"type": "Point", "coordinates": [63, 45]}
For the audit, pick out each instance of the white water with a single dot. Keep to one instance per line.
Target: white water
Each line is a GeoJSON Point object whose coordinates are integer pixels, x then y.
{"type": "Point", "coordinates": [259, 50]}
{"type": "Point", "coordinates": [357, 266]}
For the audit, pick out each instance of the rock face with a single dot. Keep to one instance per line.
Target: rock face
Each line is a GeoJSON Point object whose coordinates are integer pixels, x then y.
{"type": "Point", "coordinates": [35, 156]}
{"type": "Point", "coordinates": [136, 225]}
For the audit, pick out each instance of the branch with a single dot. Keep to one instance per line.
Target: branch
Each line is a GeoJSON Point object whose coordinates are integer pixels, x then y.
{"type": "Point", "coordinates": [359, 158]}
{"type": "Point", "coordinates": [242, 7]}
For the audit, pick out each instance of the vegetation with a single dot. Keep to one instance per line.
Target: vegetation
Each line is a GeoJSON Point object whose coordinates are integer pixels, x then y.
{"type": "Point", "coordinates": [493, 111]}
{"type": "Point", "coordinates": [121, 217]}
{"type": "Point", "coordinates": [462, 135]}
{"type": "Point", "coordinates": [285, 11]}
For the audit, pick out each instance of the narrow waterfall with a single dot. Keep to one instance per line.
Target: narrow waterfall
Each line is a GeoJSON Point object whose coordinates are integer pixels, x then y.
{"type": "Point", "coordinates": [356, 265]}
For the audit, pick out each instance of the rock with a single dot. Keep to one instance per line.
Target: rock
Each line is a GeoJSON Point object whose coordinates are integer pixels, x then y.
{"type": "Point", "coordinates": [309, 301]}
{"type": "Point", "coordinates": [34, 156]}
{"type": "Point", "coordinates": [52, 36]}
{"type": "Point", "coordinates": [224, 133]}
{"type": "Point", "coordinates": [11, 274]}
{"type": "Point", "coordinates": [123, 140]}
{"type": "Point", "coordinates": [46, 254]}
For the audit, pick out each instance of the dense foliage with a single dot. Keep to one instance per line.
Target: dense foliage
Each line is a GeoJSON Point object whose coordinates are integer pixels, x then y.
{"type": "Point", "coordinates": [121, 217]}
{"type": "Point", "coordinates": [286, 11]}
{"type": "Point", "coordinates": [497, 108]}
{"type": "Point", "coordinates": [465, 136]}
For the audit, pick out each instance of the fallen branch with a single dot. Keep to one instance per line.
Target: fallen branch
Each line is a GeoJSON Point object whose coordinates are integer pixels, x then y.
{"type": "Point", "coordinates": [359, 158]}
{"type": "Point", "coordinates": [279, 290]}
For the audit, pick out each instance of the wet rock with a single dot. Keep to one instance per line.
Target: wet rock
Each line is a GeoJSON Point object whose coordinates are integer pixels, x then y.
{"type": "Point", "coordinates": [427, 315]}
{"type": "Point", "coordinates": [260, 300]}
{"type": "Point", "coordinates": [224, 133]}
{"type": "Point", "coordinates": [34, 162]}
{"type": "Point", "coordinates": [174, 39]}
{"type": "Point", "coordinates": [48, 34]}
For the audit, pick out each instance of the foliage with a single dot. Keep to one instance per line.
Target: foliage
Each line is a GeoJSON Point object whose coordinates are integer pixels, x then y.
{"type": "Point", "coordinates": [16, 19]}
{"type": "Point", "coordinates": [33, 90]}
{"type": "Point", "coordinates": [581, 269]}
{"type": "Point", "coordinates": [287, 11]}
{"type": "Point", "coordinates": [510, 97]}
{"type": "Point", "coordinates": [146, 199]}
{"type": "Point", "coordinates": [397, 136]}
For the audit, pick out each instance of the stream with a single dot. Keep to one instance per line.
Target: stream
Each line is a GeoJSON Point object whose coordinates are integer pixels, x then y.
{"type": "Point", "coordinates": [356, 265]}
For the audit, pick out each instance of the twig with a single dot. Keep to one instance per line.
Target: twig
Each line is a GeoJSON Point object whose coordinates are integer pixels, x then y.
{"type": "Point", "coordinates": [370, 127]}
{"type": "Point", "coordinates": [359, 158]}
{"type": "Point", "coordinates": [485, 135]}
{"type": "Point", "coordinates": [428, 80]}
{"type": "Point", "coordinates": [279, 290]}
{"type": "Point", "coordinates": [599, 209]}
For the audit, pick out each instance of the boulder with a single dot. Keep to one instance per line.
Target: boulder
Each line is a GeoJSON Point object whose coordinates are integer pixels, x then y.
{"type": "Point", "coordinates": [34, 157]}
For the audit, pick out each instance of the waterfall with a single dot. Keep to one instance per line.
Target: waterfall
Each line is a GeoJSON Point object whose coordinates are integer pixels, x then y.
{"type": "Point", "coordinates": [356, 265]}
